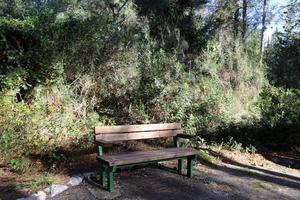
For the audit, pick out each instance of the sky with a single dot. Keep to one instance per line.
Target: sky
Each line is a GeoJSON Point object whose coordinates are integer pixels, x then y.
{"type": "Point", "coordinates": [276, 22]}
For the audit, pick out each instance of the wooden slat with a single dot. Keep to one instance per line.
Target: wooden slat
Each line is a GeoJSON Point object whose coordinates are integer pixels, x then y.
{"type": "Point", "coordinates": [146, 156]}
{"type": "Point", "coordinates": [136, 128]}
{"type": "Point", "coordinates": [105, 138]}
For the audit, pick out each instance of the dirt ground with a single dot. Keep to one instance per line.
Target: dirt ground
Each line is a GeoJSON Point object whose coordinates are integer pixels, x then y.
{"type": "Point", "coordinates": [233, 175]}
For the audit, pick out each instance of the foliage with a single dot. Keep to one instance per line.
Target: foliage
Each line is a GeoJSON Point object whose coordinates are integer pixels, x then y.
{"type": "Point", "coordinates": [279, 106]}
{"type": "Point", "coordinates": [284, 51]}
{"type": "Point", "coordinates": [38, 182]}
{"type": "Point", "coordinates": [50, 121]}
{"type": "Point", "coordinates": [67, 66]}
{"type": "Point", "coordinates": [206, 156]}
{"type": "Point", "coordinates": [18, 165]}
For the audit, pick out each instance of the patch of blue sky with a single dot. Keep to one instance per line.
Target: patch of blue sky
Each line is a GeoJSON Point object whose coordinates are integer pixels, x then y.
{"type": "Point", "coordinates": [276, 24]}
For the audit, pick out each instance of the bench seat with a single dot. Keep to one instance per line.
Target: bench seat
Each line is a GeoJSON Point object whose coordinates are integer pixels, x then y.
{"type": "Point", "coordinates": [146, 156]}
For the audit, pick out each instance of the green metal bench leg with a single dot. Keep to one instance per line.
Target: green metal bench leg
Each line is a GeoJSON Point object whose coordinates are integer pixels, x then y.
{"type": "Point", "coordinates": [180, 166]}
{"type": "Point", "coordinates": [190, 166]}
{"type": "Point", "coordinates": [103, 175]}
{"type": "Point", "coordinates": [110, 176]}
{"type": "Point", "coordinates": [99, 152]}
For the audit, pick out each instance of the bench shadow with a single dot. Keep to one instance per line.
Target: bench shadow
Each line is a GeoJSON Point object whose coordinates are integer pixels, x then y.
{"type": "Point", "coordinates": [150, 182]}
{"type": "Point", "coordinates": [171, 185]}
{"type": "Point", "coordinates": [257, 173]}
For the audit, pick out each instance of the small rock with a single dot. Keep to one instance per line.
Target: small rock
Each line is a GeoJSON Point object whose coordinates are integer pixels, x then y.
{"type": "Point", "coordinates": [56, 189]}
{"type": "Point", "coordinates": [88, 174]}
{"type": "Point", "coordinates": [47, 190]}
{"type": "Point", "coordinates": [40, 195]}
{"type": "Point", "coordinates": [75, 180]}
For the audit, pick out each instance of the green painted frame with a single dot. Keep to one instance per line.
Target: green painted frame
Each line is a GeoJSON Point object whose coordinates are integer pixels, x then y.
{"type": "Point", "coordinates": [107, 172]}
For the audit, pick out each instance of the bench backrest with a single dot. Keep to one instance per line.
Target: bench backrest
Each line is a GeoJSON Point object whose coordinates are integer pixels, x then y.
{"type": "Point", "coordinates": [136, 132]}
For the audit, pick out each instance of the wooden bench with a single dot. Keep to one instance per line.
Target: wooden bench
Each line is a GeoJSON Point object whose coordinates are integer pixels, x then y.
{"type": "Point", "coordinates": [107, 135]}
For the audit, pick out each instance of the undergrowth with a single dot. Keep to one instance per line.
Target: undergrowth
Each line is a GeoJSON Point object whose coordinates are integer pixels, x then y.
{"type": "Point", "coordinates": [68, 67]}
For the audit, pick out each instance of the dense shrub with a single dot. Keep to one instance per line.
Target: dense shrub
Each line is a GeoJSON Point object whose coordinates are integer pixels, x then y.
{"type": "Point", "coordinates": [276, 127]}
{"type": "Point", "coordinates": [68, 66]}
{"type": "Point", "coordinates": [279, 106]}
{"type": "Point", "coordinates": [284, 51]}
{"type": "Point", "coordinates": [48, 122]}
{"type": "Point", "coordinates": [280, 117]}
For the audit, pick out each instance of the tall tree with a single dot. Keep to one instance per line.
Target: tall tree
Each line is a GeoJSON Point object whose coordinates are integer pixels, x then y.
{"type": "Point", "coordinates": [236, 19]}
{"type": "Point", "coordinates": [244, 19]}
{"type": "Point", "coordinates": [263, 28]}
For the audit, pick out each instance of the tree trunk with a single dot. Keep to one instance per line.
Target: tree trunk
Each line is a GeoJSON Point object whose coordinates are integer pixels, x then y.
{"type": "Point", "coordinates": [263, 28]}
{"type": "Point", "coordinates": [236, 20]}
{"type": "Point", "coordinates": [244, 23]}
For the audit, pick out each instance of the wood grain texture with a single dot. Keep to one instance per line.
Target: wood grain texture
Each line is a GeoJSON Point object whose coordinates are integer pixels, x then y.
{"type": "Point", "coordinates": [145, 156]}
{"type": "Point", "coordinates": [136, 128]}
{"type": "Point", "coordinates": [118, 137]}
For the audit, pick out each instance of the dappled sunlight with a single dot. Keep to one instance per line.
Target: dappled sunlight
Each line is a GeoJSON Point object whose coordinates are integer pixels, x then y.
{"type": "Point", "coordinates": [67, 67]}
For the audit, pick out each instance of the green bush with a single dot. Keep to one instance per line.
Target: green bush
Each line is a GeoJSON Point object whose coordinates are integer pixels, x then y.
{"type": "Point", "coordinates": [68, 66]}
{"type": "Point", "coordinates": [54, 119]}
{"type": "Point", "coordinates": [18, 165]}
{"type": "Point", "coordinates": [279, 106]}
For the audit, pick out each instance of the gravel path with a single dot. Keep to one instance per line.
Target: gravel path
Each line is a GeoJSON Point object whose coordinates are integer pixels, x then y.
{"type": "Point", "coordinates": [222, 181]}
